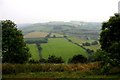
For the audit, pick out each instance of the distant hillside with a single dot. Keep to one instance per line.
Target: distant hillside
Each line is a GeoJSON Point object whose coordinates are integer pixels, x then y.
{"type": "Point", "coordinates": [23, 25]}
{"type": "Point", "coordinates": [53, 26]}
{"type": "Point", "coordinates": [72, 28]}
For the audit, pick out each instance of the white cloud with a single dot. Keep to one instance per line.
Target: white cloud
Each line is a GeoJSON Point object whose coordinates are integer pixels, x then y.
{"type": "Point", "coordinates": [27, 11]}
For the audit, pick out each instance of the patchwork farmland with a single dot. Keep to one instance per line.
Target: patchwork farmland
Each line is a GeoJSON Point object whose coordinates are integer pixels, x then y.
{"type": "Point", "coordinates": [60, 47]}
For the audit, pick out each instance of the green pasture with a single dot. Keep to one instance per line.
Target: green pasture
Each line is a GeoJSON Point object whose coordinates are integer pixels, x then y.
{"type": "Point", "coordinates": [79, 40]}
{"type": "Point", "coordinates": [34, 51]}
{"type": "Point", "coordinates": [61, 47]}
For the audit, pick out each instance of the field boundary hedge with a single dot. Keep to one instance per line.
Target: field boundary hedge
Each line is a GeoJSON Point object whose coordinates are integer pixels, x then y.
{"type": "Point", "coordinates": [8, 68]}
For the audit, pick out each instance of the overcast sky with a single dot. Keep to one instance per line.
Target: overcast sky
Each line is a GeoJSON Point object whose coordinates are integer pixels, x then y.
{"type": "Point", "coordinates": [33, 11]}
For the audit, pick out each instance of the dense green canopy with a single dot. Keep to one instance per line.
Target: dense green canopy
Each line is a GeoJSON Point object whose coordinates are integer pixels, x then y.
{"type": "Point", "coordinates": [14, 49]}
{"type": "Point", "coordinates": [110, 37]}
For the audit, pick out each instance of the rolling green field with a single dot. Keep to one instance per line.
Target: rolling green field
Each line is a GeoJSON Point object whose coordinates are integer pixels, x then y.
{"type": "Point", "coordinates": [61, 47]}
{"type": "Point", "coordinates": [33, 51]}
{"type": "Point", "coordinates": [80, 41]}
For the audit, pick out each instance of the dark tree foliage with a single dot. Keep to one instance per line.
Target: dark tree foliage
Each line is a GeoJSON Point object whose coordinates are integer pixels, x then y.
{"type": "Point", "coordinates": [14, 49]}
{"type": "Point", "coordinates": [43, 60]}
{"type": "Point", "coordinates": [55, 59]}
{"type": "Point", "coordinates": [110, 37]}
{"type": "Point", "coordinates": [77, 59]}
{"type": "Point", "coordinates": [94, 43]}
{"type": "Point", "coordinates": [86, 44]}
{"type": "Point", "coordinates": [0, 43]}
{"type": "Point", "coordinates": [37, 41]}
{"type": "Point", "coordinates": [100, 55]}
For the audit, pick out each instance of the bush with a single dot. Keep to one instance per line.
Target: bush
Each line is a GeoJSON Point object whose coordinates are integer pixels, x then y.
{"type": "Point", "coordinates": [43, 60]}
{"type": "Point", "coordinates": [33, 61]}
{"type": "Point", "coordinates": [54, 59]}
{"type": "Point", "coordinates": [86, 44]}
{"type": "Point", "coordinates": [94, 43]}
{"type": "Point", "coordinates": [51, 59]}
{"type": "Point", "coordinates": [77, 59]}
{"type": "Point", "coordinates": [106, 69]}
{"type": "Point", "coordinates": [54, 36]}
{"type": "Point", "coordinates": [100, 56]}
{"type": "Point", "coordinates": [28, 68]}
{"type": "Point", "coordinates": [90, 51]}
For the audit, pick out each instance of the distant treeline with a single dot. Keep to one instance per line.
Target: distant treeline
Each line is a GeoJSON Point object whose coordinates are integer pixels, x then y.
{"type": "Point", "coordinates": [36, 40]}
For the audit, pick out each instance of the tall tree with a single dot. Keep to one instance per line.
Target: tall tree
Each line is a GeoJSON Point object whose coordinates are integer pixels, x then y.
{"type": "Point", "coordinates": [14, 49]}
{"type": "Point", "coordinates": [110, 38]}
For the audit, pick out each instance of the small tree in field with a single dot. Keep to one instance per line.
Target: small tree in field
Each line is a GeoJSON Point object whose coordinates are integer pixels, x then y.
{"type": "Point", "coordinates": [14, 49]}
{"type": "Point", "coordinates": [55, 59]}
{"type": "Point", "coordinates": [77, 59]}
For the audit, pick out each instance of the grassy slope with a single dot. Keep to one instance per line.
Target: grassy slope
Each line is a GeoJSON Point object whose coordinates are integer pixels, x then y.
{"type": "Point", "coordinates": [93, 47]}
{"type": "Point", "coordinates": [61, 47]}
{"type": "Point", "coordinates": [34, 51]}
{"type": "Point", "coordinates": [80, 41]}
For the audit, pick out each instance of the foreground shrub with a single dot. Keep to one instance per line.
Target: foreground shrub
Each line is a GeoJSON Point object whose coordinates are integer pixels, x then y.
{"type": "Point", "coordinates": [27, 68]}
{"type": "Point", "coordinates": [77, 59]}
{"type": "Point", "coordinates": [51, 59]}
{"type": "Point", "coordinates": [43, 60]}
{"type": "Point", "coordinates": [33, 61]}
{"type": "Point", "coordinates": [54, 59]}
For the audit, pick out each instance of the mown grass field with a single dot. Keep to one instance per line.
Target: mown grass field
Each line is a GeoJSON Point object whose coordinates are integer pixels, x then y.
{"type": "Point", "coordinates": [36, 35]}
{"type": "Point", "coordinates": [80, 41]}
{"type": "Point", "coordinates": [33, 51]}
{"type": "Point", "coordinates": [61, 47]}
